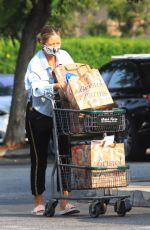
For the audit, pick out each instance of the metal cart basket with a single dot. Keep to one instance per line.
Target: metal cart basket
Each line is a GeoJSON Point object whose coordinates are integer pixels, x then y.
{"type": "Point", "coordinates": [87, 121]}
{"type": "Point", "coordinates": [73, 122]}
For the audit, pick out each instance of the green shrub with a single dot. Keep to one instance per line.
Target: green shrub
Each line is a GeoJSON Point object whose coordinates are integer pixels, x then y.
{"type": "Point", "coordinates": [8, 55]}
{"type": "Point", "coordinates": [94, 51]}
{"type": "Point", "coordinates": [97, 51]}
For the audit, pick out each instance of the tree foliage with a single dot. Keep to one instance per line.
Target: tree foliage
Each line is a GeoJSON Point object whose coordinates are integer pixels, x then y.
{"type": "Point", "coordinates": [37, 16]}
{"type": "Point", "coordinates": [23, 20]}
{"type": "Point", "coordinates": [133, 15]}
{"type": "Point", "coordinates": [13, 15]}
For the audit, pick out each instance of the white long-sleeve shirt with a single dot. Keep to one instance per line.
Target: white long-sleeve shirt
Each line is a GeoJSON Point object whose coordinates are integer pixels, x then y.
{"type": "Point", "coordinates": [39, 81]}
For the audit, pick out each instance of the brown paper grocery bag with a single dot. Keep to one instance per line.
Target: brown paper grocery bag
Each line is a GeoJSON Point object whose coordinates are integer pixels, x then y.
{"type": "Point", "coordinates": [103, 155]}
{"type": "Point", "coordinates": [75, 68]}
{"type": "Point", "coordinates": [98, 154]}
{"type": "Point", "coordinates": [84, 88]}
{"type": "Point", "coordinates": [89, 91]}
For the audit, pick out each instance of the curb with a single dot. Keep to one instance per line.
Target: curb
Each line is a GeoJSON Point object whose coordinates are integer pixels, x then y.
{"type": "Point", "coordinates": [139, 193]}
{"type": "Point", "coordinates": [17, 153]}
{"type": "Point", "coordinates": [138, 196]}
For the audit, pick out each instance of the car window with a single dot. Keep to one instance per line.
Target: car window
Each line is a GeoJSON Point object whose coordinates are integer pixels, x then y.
{"type": "Point", "coordinates": [125, 76]}
{"type": "Point", "coordinates": [145, 72]}
{"type": "Point", "coordinates": [107, 70]}
{"type": "Point", "coordinates": [6, 84]}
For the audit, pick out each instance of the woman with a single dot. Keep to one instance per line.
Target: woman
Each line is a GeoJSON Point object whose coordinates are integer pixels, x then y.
{"type": "Point", "coordinates": [39, 82]}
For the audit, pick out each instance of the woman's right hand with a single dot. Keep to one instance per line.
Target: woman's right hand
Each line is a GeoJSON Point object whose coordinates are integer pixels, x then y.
{"type": "Point", "coordinates": [57, 86]}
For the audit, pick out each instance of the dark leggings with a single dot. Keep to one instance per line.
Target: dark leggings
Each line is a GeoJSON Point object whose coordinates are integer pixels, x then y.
{"type": "Point", "coordinates": [39, 130]}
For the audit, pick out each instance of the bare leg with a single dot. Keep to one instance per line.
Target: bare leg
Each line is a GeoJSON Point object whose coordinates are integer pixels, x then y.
{"type": "Point", "coordinates": [66, 207]}
{"type": "Point", "coordinates": [64, 202]}
{"type": "Point", "coordinates": [38, 200]}
{"type": "Point", "coordinates": [38, 205]}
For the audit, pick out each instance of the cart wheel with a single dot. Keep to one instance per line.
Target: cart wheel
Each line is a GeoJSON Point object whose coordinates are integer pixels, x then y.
{"type": "Point", "coordinates": [120, 208]}
{"type": "Point", "coordinates": [50, 208]}
{"type": "Point", "coordinates": [103, 208]}
{"type": "Point", "coordinates": [94, 210]}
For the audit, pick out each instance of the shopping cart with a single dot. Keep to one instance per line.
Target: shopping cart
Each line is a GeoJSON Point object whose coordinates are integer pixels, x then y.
{"type": "Point", "coordinates": [86, 122]}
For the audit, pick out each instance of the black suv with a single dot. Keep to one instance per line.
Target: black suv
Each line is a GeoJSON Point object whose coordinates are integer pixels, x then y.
{"type": "Point", "coordinates": [128, 80]}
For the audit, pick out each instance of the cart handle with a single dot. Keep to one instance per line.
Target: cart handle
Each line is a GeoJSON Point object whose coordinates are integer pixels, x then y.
{"type": "Point", "coordinates": [92, 112]}
{"type": "Point", "coordinates": [121, 167]}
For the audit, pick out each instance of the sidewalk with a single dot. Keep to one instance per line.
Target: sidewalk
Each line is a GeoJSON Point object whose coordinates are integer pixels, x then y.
{"type": "Point", "coordinates": [139, 192]}
{"type": "Point", "coordinates": [15, 156]}
{"type": "Point", "coordinates": [138, 189]}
